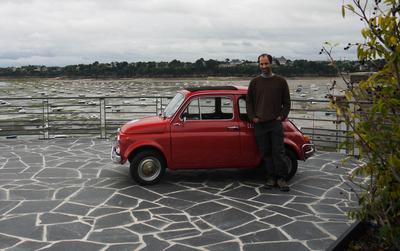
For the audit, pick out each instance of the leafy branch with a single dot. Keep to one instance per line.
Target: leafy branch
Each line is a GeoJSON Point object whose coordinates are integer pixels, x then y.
{"type": "Point", "coordinates": [375, 123]}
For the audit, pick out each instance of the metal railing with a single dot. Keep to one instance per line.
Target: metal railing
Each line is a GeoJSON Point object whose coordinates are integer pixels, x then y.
{"type": "Point", "coordinates": [50, 117]}
{"type": "Point", "coordinates": [80, 116]}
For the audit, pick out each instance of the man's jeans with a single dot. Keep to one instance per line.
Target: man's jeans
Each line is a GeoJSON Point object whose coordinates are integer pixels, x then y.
{"type": "Point", "coordinates": [269, 136]}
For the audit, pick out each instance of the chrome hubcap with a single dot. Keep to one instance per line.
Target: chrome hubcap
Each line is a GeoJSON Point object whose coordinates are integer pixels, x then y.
{"type": "Point", "coordinates": [149, 168]}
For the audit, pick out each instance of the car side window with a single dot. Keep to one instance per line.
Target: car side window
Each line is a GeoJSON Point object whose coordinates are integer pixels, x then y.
{"type": "Point", "coordinates": [209, 108]}
{"type": "Point", "coordinates": [227, 106]}
{"type": "Point", "coordinates": [207, 105]}
{"type": "Point", "coordinates": [192, 111]}
{"type": "Point", "coordinates": [242, 109]}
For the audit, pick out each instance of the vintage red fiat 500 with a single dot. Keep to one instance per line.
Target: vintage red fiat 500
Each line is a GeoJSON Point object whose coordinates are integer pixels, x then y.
{"type": "Point", "coordinates": [201, 127]}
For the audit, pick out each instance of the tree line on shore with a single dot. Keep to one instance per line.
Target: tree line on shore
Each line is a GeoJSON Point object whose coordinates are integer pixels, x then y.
{"type": "Point", "coordinates": [176, 68]}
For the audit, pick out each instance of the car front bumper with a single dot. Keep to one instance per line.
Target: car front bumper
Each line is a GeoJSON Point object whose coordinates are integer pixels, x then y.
{"type": "Point", "coordinates": [308, 150]}
{"type": "Point", "coordinates": [115, 156]}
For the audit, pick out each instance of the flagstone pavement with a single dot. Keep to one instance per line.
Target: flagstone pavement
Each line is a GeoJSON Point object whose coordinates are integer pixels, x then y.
{"type": "Point", "coordinates": [66, 194]}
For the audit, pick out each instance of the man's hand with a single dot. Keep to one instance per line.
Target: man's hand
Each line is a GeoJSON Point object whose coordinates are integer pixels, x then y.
{"type": "Point", "coordinates": [256, 120]}
{"type": "Point", "coordinates": [279, 118]}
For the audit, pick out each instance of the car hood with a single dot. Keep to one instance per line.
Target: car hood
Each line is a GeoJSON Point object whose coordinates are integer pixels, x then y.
{"type": "Point", "coordinates": [153, 124]}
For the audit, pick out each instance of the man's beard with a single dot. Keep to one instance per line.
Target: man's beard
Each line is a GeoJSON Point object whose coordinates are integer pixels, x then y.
{"type": "Point", "coordinates": [267, 72]}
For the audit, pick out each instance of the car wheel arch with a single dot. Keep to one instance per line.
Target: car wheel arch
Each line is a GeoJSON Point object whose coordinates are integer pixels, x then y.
{"type": "Point", "coordinates": [293, 147]}
{"type": "Point", "coordinates": [137, 150]}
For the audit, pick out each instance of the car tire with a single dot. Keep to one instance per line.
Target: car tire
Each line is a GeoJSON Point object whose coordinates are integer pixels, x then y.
{"type": "Point", "coordinates": [147, 167]}
{"type": "Point", "coordinates": [291, 161]}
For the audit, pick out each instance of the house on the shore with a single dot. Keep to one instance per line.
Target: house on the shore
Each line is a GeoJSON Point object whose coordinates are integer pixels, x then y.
{"type": "Point", "coordinates": [281, 61]}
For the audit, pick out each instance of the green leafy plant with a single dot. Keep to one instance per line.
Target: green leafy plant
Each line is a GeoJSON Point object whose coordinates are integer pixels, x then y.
{"type": "Point", "coordinates": [371, 108]}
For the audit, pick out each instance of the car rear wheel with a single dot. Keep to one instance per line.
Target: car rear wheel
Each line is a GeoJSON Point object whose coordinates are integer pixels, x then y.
{"type": "Point", "coordinates": [147, 167]}
{"type": "Point", "coordinates": [291, 162]}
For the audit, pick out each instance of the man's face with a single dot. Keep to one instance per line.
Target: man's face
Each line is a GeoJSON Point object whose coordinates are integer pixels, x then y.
{"type": "Point", "coordinates": [265, 65]}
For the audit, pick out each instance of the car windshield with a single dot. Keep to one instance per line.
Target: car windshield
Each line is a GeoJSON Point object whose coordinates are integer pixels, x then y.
{"type": "Point", "coordinates": [173, 105]}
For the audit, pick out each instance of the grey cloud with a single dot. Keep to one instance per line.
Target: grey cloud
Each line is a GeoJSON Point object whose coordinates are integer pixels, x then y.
{"type": "Point", "coordinates": [248, 44]}
{"type": "Point", "coordinates": [79, 31]}
{"type": "Point", "coordinates": [15, 55]}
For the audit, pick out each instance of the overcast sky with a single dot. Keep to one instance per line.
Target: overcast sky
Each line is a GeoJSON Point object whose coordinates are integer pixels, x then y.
{"type": "Point", "coordinates": [63, 32]}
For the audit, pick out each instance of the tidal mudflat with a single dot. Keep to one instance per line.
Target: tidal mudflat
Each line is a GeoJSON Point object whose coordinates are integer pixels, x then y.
{"type": "Point", "coordinates": [315, 88]}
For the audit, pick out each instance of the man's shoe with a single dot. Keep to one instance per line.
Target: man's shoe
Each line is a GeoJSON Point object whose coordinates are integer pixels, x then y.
{"type": "Point", "coordinates": [283, 186]}
{"type": "Point", "coordinates": [270, 183]}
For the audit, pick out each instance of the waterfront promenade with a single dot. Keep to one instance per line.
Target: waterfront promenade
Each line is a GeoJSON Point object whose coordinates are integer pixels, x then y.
{"type": "Point", "coordinates": [66, 194]}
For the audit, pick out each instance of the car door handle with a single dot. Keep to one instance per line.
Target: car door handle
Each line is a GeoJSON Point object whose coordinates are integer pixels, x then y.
{"type": "Point", "coordinates": [177, 124]}
{"type": "Point", "coordinates": [233, 128]}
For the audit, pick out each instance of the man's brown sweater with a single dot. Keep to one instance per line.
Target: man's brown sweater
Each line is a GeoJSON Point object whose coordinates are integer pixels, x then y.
{"type": "Point", "coordinates": [268, 98]}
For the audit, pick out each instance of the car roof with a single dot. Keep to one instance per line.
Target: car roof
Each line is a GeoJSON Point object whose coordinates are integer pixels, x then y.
{"type": "Point", "coordinates": [226, 89]}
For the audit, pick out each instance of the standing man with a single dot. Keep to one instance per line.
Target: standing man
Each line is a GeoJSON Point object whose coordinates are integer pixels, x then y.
{"type": "Point", "coordinates": [268, 104]}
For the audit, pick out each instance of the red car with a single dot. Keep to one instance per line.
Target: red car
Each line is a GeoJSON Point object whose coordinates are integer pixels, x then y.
{"type": "Point", "coordinates": [202, 127]}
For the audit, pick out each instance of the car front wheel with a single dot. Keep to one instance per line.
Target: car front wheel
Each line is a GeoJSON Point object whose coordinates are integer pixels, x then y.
{"type": "Point", "coordinates": [291, 162]}
{"type": "Point", "coordinates": [147, 167]}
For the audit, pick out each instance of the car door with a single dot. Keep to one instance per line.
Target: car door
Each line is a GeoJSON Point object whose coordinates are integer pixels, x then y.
{"type": "Point", "coordinates": [205, 134]}
{"type": "Point", "coordinates": [250, 155]}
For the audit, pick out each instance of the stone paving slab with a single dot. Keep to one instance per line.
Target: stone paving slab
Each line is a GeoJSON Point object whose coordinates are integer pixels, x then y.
{"type": "Point", "coordinates": [66, 194]}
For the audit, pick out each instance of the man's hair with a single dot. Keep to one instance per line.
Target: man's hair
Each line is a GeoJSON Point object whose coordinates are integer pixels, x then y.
{"type": "Point", "coordinates": [265, 55]}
